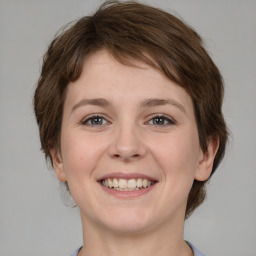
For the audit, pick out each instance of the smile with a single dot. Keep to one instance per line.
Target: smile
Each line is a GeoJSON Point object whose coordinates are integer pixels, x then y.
{"type": "Point", "coordinates": [127, 184]}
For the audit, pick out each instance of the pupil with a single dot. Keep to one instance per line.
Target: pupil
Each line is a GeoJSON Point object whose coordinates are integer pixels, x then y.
{"type": "Point", "coordinates": [97, 120]}
{"type": "Point", "coordinates": [159, 120]}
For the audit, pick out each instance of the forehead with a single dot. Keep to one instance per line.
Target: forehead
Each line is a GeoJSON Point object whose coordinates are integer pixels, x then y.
{"type": "Point", "coordinates": [103, 61]}
{"type": "Point", "coordinates": [105, 77]}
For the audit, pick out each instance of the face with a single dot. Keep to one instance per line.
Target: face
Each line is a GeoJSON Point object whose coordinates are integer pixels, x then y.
{"type": "Point", "coordinates": [129, 146]}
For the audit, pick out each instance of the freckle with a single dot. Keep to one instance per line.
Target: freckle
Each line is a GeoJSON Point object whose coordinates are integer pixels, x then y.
{"type": "Point", "coordinates": [81, 158]}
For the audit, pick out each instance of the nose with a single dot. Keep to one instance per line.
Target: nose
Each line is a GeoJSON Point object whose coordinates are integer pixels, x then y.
{"type": "Point", "coordinates": [127, 144]}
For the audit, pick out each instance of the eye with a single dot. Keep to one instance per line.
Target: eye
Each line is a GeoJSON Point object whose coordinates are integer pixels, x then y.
{"type": "Point", "coordinates": [95, 120]}
{"type": "Point", "coordinates": [161, 120]}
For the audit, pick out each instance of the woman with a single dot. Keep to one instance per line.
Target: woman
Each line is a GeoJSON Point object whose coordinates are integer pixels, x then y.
{"type": "Point", "coordinates": [129, 111]}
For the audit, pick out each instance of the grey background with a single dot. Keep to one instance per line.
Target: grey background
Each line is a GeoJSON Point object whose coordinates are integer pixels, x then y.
{"type": "Point", "coordinates": [33, 220]}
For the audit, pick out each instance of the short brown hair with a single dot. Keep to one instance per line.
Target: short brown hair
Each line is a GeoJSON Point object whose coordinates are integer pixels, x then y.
{"type": "Point", "coordinates": [130, 30]}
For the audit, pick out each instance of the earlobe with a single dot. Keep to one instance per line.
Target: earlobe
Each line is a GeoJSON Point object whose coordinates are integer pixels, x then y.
{"type": "Point", "coordinates": [58, 165]}
{"type": "Point", "coordinates": [206, 160]}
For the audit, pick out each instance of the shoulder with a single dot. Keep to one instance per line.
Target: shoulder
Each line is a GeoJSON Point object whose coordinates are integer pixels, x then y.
{"type": "Point", "coordinates": [195, 250]}
{"type": "Point", "coordinates": [75, 252]}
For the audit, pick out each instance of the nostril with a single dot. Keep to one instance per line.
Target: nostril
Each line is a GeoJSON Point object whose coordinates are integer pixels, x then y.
{"type": "Point", "coordinates": [126, 157]}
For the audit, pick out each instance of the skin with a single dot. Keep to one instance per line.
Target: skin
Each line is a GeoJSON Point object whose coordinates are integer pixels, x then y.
{"type": "Point", "coordinates": [130, 136]}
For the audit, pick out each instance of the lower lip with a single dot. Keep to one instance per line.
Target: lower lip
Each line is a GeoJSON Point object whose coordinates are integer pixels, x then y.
{"type": "Point", "coordinates": [128, 194]}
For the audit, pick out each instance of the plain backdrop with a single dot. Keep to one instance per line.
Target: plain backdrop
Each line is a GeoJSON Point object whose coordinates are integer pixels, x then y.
{"type": "Point", "coordinates": [33, 220]}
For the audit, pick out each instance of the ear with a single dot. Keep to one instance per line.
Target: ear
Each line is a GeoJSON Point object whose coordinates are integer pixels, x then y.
{"type": "Point", "coordinates": [57, 163]}
{"type": "Point", "coordinates": [206, 160]}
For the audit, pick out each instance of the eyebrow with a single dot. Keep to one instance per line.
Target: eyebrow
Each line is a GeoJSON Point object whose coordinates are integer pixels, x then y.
{"type": "Point", "coordinates": [160, 102]}
{"type": "Point", "coordinates": [95, 102]}
{"type": "Point", "coordinates": [145, 103]}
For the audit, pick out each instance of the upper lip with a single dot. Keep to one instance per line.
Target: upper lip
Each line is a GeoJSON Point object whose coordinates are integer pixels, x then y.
{"type": "Point", "coordinates": [127, 176]}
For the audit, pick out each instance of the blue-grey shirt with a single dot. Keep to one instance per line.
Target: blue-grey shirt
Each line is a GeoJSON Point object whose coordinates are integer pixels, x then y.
{"type": "Point", "coordinates": [195, 251]}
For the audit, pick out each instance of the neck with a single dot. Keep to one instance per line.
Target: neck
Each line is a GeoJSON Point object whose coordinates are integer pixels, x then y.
{"type": "Point", "coordinates": [165, 241]}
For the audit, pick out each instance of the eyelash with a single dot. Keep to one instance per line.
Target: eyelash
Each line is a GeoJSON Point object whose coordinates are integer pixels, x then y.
{"type": "Point", "coordinates": [167, 121]}
{"type": "Point", "coordinates": [164, 120]}
{"type": "Point", "coordinates": [93, 117]}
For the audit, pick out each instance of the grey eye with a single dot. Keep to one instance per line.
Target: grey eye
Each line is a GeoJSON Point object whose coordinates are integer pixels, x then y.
{"type": "Point", "coordinates": [95, 120]}
{"type": "Point", "coordinates": [161, 121]}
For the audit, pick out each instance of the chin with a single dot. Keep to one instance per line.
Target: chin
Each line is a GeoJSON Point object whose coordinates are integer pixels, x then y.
{"type": "Point", "coordinates": [128, 222]}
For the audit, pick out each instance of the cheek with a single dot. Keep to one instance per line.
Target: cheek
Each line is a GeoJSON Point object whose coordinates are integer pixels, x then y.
{"type": "Point", "coordinates": [80, 155]}
{"type": "Point", "coordinates": [178, 156]}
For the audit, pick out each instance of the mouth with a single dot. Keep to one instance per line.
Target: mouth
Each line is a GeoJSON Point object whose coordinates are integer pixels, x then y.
{"type": "Point", "coordinates": [121, 184]}
{"type": "Point", "coordinates": [127, 186]}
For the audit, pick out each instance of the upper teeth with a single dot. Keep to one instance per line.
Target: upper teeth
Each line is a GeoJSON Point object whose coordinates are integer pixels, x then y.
{"type": "Point", "coordinates": [127, 184]}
